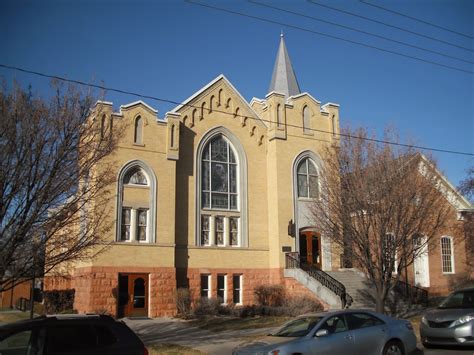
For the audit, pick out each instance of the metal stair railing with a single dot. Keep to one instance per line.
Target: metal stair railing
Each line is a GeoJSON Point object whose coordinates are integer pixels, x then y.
{"type": "Point", "coordinates": [293, 261]}
{"type": "Point", "coordinates": [416, 294]}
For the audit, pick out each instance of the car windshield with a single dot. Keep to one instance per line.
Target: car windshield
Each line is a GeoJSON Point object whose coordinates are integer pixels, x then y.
{"type": "Point", "coordinates": [298, 327]}
{"type": "Point", "coordinates": [459, 300]}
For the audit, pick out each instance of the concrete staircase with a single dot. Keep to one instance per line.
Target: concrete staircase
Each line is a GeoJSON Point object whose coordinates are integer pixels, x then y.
{"type": "Point", "coordinates": [357, 286]}
{"type": "Point", "coordinates": [331, 286]}
{"type": "Point", "coordinates": [363, 294]}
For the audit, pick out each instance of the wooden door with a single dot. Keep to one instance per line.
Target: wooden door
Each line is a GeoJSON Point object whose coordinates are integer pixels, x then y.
{"type": "Point", "coordinates": [310, 248]}
{"type": "Point", "coordinates": [136, 304]}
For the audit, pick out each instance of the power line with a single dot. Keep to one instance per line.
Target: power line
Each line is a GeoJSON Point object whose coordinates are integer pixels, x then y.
{"type": "Point", "coordinates": [415, 19]}
{"type": "Point", "coordinates": [155, 98]}
{"type": "Point", "coordinates": [328, 35]}
{"type": "Point", "coordinates": [358, 30]}
{"type": "Point", "coordinates": [313, 2]}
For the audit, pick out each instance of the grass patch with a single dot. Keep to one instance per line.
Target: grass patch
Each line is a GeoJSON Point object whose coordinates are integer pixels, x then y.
{"type": "Point", "coordinates": [172, 349]}
{"type": "Point", "coordinates": [221, 324]}
{"type": "Point", "coordinates": [10, 317]}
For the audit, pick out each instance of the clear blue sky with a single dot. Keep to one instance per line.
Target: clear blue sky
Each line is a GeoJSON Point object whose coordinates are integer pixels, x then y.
{"type": "Point", "coordinates": [170, 49]}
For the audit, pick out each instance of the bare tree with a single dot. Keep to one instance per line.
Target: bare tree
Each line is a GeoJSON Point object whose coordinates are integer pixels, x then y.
{"type": "Point", "coordinates": [52, 192]}
{"type": "Point", "coordinates": [466, 186]}
{"type": "Point", "coordinates": [381, 204]}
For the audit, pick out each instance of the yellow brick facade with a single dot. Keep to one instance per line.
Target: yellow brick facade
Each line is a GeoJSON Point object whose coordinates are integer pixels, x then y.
{"type": "Point", "coordinates": [269, 139]}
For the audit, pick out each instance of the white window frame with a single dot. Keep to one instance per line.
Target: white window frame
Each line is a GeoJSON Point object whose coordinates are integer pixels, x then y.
{"type": "Point", "coordinates": [151, 207]}
{"type": "Point", "coordinates": [240, 289]}
{"type": "Point", "coordinates": [307, 160]}
{"type": "Point", "coordinates": [209, 285]}
{"type": "Point", "coordinates": [224, 299]}
{"type": "Point", "coordinates": [451, 246]}
{"type": "Point", "coordinates": [129, 225]}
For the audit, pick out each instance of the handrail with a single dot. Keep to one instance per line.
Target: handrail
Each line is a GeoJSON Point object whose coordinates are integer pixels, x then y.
{"type": "Point", "coordinates": [293, 261]}
{"type": "Point", "coordinates": [415, 293]}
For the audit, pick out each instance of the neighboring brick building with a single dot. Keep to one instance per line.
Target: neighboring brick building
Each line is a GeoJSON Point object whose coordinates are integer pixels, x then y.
{"type": "Point", "coordinates": [205, 195]}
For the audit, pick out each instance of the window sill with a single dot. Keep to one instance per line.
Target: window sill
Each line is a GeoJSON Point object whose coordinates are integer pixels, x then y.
{"type": "Point", "coordinates": [145, 244]}
{"type": "Point", "coordinates": [138, 144]}
{"type": "Point", "coordinates": [219, 247]}
{"type": "Point", "coordinates": [308, 199]}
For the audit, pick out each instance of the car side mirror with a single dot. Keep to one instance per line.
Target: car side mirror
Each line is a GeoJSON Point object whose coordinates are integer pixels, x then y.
{"type": "Point", "coordinates": [321, 333]}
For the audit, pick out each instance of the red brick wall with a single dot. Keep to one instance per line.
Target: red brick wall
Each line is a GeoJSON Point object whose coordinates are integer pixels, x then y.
{"type": "Point", "coordinates": [20, 290]}
{"type": "Point", "coordinates": [251, 278]}
{"type": "Point", "coordinates": [97, 289]}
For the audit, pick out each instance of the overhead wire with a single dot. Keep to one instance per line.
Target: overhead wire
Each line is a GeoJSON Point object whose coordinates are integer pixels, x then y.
{"type": "Point", "coordinates": [155, 98]}
{"type": "Point", "coordinates": [416, 19]}
{"type": "Point", "coordinates": [328, 35]}
{"type": "Point", "coordinates": [389, 25]}
{"type": "Point", "coordinates": [358, 30]}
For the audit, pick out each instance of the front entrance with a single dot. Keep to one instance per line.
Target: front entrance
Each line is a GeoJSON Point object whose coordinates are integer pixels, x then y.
{"type": "Point", "coordinates": [133, 295]}
{"type": "Point", "coordinates": [421, 263]}
{"type": "Point", "coordinates": [310, 248]}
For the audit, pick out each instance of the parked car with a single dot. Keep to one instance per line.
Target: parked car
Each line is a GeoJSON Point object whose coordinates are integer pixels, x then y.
{"type": "Point", "coordinates": [337, 332]}
{"type": "Point", "coordinates": [70, 335]}
{"type": "Point", "coordinates": [452, 322]}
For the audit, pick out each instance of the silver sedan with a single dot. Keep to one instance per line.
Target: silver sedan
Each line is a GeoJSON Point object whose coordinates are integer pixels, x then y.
{"type": "Point", "coordinates": [337, 333]}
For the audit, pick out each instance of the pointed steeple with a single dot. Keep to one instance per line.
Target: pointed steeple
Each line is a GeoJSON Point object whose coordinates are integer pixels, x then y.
{"type": "Point", "coordinates": [284, 78]}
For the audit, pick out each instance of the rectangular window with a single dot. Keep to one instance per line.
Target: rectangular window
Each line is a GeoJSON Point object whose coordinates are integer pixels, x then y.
{"type": "Point", "coordinates": [205, 229]}
{"type": "Point", "coordinates": [447, 255]}
{"type": "Point", "coordinates": [206, 286]}
{"type": "Point", "coordinates": [237, 289]}
{"type": "Point", "coordinates": [125, 226]}
{"type": "Point", "coordinates": [234, 231]}
{"type": "Point", "coordinates": [141, 223]}
{"type": "Point", "coordinates": [219, 230]}
{"type": "Point", "coordinates": [222, 288]}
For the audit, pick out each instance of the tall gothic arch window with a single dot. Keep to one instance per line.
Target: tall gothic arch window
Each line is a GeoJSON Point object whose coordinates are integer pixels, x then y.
{"type": "Point", "coordinates": [307, 179]}
{"type": "Point", "coordinates": [136, 204]}
{"type": "Point", "coordinates": [138, 133]}
{"type": "Point", "coordinates": [221, 220]}
{"type": "Point", "coordinates": [306, 120]}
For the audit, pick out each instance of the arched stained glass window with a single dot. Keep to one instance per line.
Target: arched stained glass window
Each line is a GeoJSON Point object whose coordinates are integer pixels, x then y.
{"type": "Point", "coordinates": [135, 177]}
{"type": "Point", "coordinates": [219, 175]}
{"type": "Point", "coordinates": [222, 205]}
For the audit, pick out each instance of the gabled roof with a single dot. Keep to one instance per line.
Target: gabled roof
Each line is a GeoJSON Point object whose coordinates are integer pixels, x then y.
{"type": "Point", "coordinates": [139, 102]}
{"type": "Point", "coordinates": [284, 78]}
{"type": "Point", "coordinates": [454, 197]}
{"type": "Point", "coordinates": [207, 86]}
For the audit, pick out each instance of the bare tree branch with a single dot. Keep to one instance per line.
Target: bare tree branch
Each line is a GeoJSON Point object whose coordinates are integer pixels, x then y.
{"type": "Point", "coordinates": [381, 205]}
{"type": "Point", "coordinates": [54, 180]}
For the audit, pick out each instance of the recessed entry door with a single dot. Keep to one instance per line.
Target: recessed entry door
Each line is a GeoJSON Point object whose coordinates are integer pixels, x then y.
{"type": "Point", "coordinates": [133, 295]}
{"type": "Point", "coordinates": [310, 248]}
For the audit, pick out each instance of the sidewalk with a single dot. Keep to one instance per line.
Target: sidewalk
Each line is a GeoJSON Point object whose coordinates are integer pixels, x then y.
{"type": "Point", "coordinates": [177, 331]}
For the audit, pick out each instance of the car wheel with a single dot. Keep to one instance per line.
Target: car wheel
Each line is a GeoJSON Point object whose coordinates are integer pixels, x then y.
{"type": "Point", "coordinates": [393, 347]}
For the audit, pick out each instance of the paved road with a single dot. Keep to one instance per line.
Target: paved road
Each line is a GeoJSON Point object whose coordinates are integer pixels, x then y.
{"type": "Point", "coordinates": [175, 331]}
{"type": "Point", "coordinates": [446, 351]}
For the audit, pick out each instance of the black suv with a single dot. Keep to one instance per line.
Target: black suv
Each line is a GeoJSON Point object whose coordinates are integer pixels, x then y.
{"type": "Point", "coordinates": [69, 335]}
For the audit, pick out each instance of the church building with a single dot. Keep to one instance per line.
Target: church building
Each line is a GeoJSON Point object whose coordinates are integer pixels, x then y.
{"type": "Point", "coordinates": [213, 197]}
